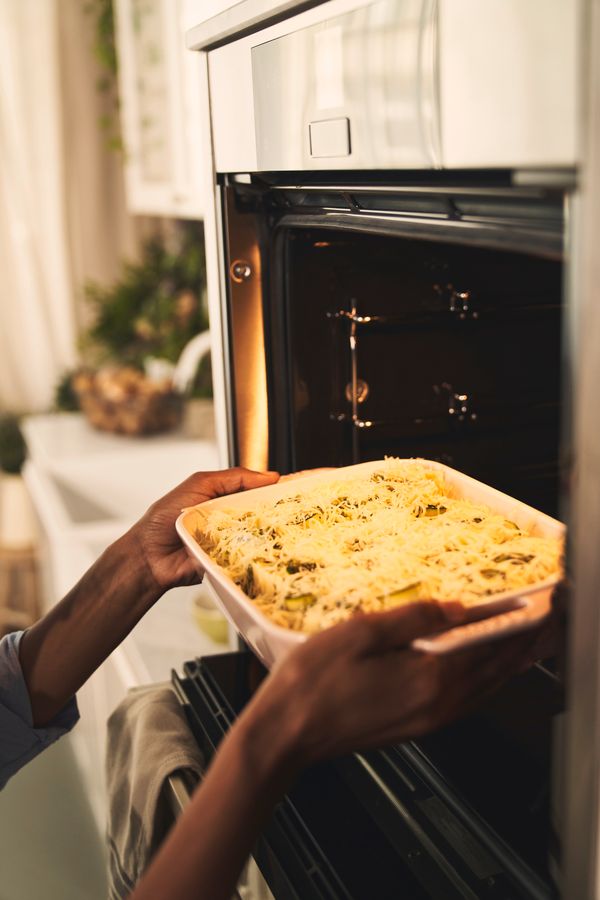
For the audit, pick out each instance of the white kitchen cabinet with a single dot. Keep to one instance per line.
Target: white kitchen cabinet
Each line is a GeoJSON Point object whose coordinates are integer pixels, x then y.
{"type": "Point", "coordinates": [159, 85]}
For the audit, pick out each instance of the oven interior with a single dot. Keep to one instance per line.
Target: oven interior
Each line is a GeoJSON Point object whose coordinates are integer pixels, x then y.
{"type": "Point", "coordinates": [445, 346]}
{"type": "Point", "coordinates": [412, 319]}
{"type": "Point", "coordinates": [415, 348]}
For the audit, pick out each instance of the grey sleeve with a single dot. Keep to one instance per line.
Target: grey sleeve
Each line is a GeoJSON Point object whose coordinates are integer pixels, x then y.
{"type": "Point", "coordinates": [19, 740]}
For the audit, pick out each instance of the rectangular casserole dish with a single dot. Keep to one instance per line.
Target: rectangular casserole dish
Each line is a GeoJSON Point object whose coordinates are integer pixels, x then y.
{"type": "Point", "coordinates": [503, 614]}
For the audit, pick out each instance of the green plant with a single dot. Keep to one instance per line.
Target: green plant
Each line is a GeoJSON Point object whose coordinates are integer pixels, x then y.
{"type": "Point", "coordinates": [12, 445]}
{"type": "Point", "coordinates": [65, 398]}
{"type": "Point", "coordinates": [105, 51]}
{"type": "Point", "coordinates": [156, 306]}
{"type": "Point", "coordinates": [104, 45]}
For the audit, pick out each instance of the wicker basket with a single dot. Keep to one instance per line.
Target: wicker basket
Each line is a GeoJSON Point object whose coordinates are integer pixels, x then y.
{"type": "Point", "coordinates": [124, 401]}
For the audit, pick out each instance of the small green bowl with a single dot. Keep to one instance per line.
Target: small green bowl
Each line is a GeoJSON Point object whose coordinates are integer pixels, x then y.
{"type": "Point", "coordinates": [209, 619]}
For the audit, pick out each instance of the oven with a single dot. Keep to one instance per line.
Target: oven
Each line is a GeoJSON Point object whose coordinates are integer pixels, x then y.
{"type": "Point", "coordinates": [398, 319]}
{"type": "Point", "coordinates": [396, 260]}
{"type": "Point", "coordinates": [408, 319]}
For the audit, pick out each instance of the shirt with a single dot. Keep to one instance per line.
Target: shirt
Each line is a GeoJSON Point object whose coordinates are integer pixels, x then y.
{"type": "Point", "coordinates": [20, 741]}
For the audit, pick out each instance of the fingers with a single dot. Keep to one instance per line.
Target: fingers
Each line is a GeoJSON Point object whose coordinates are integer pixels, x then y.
{"type": "Point", "coordinates": [384, 631]}
{"type": "Point", "coordinates": [207, 485]}
{"type": "Point", "coordinates": [468, 677]}
{"type": "Point", "coordinates": [231, 480]}
{"type": "Point", "coordinates": [437, 690]}
{"type": "Point", "coordinates": [504, 656]}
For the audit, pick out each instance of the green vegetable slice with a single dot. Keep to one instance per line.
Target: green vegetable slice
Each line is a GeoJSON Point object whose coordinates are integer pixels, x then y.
{"type": "Point", "coordinates": [491, 573]}
{"type": "Point", "coordinates": [431, 510]}
{"type": "Point", "coordinates": [295, 566]}
{"type": "Point", "coordinates": [515, 558]}
{"type": "Point", "coordinates": [402, 595]}
{"type": "Point", "coordinates": [247, 584]}
{"type": "Point", "coordinates": [300, 602]}
{"type": "Point", "coordinates": [434, 509]}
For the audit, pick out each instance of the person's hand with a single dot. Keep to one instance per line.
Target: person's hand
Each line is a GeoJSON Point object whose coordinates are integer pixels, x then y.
{"type": "Point", "coordinates": [359, 685]}
{"type": "Point", "coordinates": [155, 536]}
{"type": "Point", "coordinates": [65, 646]}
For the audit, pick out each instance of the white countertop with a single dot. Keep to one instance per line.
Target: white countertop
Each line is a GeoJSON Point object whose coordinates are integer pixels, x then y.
{"type": "Point", "coordinates": [107, 477]}
{"type": "Point", "coordinates": [88, 487]}
{"type": "Point", "coordinates": [54, 437]}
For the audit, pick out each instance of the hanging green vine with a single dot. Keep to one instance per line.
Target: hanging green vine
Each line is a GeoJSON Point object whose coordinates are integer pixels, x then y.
{"type": "Point", "coordinates": [105, 51]}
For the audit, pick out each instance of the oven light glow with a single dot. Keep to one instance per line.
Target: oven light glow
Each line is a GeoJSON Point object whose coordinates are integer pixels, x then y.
{"type": "Point", "coordinates": [322, 244]}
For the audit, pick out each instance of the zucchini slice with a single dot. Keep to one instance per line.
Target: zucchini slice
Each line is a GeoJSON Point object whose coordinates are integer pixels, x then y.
{"type": "Point", "coordinates": [405, 594]}
{"type": "Point", "coordinates": [299, 602]}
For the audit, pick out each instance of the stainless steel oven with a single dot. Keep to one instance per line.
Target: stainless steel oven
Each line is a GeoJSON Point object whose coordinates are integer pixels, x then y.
{"type": "Point", "coordinates": [412, 319]}
{"type": "Point", "coordinates": [399, 253]}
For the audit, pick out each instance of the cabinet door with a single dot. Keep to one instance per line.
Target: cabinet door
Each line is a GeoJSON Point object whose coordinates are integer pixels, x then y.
{"type": "Point", "coordinates": [159, 87]}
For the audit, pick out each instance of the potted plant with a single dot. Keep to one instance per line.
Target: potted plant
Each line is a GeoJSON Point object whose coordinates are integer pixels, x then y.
{"type": "Point", "coordinates": [141, 325]}
{"type": "Point", "coordinates": [17, 524]}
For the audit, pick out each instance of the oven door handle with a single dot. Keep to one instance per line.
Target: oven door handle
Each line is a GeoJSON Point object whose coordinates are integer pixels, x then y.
{"type": "Point", "coordinates": [179, 794]}
{"type": "Point", "coordinates": [178, 791]}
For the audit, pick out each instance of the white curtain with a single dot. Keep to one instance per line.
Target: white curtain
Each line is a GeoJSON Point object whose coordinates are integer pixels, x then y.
{"type": "Point", "coordinates": [37, 336]}
{"type": "Point", "coordinates": [62, 214]}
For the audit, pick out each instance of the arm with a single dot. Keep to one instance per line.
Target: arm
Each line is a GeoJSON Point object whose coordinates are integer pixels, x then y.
{"type": "Point", "coordinates": [355, 686]}
{"type": "Point", "coordinates": [344, 689]}
{"type": "Point", "coordinates": [61, 651]}
{"type": "Point", "coordinates": [205, 852]}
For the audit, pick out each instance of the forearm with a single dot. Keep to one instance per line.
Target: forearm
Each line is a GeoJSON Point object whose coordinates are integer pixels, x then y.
{"type": "Point", "coordinates": [205, 852]}
{"type": "Point", "coordinates": [62, 650]}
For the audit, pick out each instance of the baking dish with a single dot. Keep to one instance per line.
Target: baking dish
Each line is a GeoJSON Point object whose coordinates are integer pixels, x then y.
{"type": "Point", "coordinates": [503, 614]}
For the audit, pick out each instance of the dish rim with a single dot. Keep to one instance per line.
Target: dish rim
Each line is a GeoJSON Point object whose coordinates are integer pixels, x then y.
{"type": "Point", "coordinates": [493, 607]}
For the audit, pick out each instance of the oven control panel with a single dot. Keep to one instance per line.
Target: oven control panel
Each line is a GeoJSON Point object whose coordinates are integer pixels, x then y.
{"type": "Point", "coordinates": [401, 84]}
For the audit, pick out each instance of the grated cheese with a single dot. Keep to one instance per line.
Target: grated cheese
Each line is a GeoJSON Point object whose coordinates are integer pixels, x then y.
{"type": "Point", "coordinates": [311, 560]}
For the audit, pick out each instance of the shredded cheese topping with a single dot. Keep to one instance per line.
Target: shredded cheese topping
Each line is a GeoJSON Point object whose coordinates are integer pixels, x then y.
{"type": "Point", "coordinates": [311, 560]}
